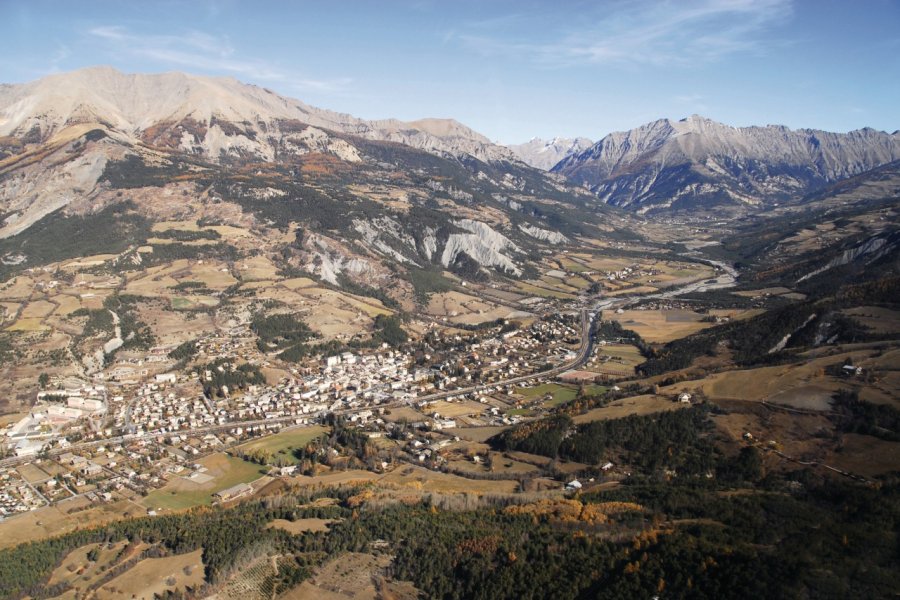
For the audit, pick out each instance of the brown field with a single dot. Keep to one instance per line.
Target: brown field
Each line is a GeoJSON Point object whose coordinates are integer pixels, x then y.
{"type": "Point", "coordinates": [67, 304]}
{"type": "Point", "coordinates": [866, 455]}
{"type": "Point", "coordinates": [56, 520]}
{"type": "Point", "coordinates": [463, 308]}
{"type": "Point", "coordinates": [301, 525]}
{"type": "Point", "coordinates": [424, 480]}
{"type": "Point", "coordinates": [456, 409]}
{"type": "Point", "coordinates": [32, 473]}
{"type": "Point", "coordinates": [766, 382]}
{"type": "Point", "coordinates": [336, 478]}
{"type": "Point", "coordinates": [77, 570]}
{"type": "Point", "coordinates": [37, 310]}
{"type": "Point", "coordinates": [350, 576]}
{"type": "Point", "coordinates": [404, 413]}
{"type": "Point", "coordinates": [477, 434]}
{"type": "Point", "coordinates": [257, 268]}
{"type": "Point", "coordinates": [878, 319]}
{"type": "Point", "coordinates": [500, 465]}
{"type": "Point", "coordinates": [33, 324]}
{"type": "Point", "coordinates": [154, 576]}
{"type": "Point", "coordinates": [660, 326]}
{"type": "Point", "coordinates": [637, 405]}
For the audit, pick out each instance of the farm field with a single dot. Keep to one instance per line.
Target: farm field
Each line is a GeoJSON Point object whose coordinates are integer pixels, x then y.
{"type": "Point", "coordinates": [180, 493]}
{"type": "Point", "coordinates": [661, 326]}
{"type": "Point", "coordinates": [281, 445]}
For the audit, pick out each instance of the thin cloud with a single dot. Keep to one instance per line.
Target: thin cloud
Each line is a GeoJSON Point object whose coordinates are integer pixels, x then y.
{"type": "Point", "coordinates": [676, 33]}
{"type": "Point", "coordinates": [198, 50]}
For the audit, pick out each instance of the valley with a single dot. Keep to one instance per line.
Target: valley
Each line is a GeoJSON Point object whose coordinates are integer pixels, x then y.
{"type": "Point", "coordinates": [251, 348]}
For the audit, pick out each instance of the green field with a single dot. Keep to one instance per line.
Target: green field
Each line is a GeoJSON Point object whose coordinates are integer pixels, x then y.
{"type": "Point", "coordinates": [281, 445]}
{"type": "Point", "coordinates": [561, 393]}
{"type": "Point", "coordinates": [181, 494]}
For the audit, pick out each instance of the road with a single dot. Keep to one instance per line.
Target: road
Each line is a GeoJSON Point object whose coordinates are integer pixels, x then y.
{"type": "Point", "coordinates": [588, 315]}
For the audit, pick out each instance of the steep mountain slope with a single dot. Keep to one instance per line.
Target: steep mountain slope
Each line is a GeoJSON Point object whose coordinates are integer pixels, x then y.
{"type": "Point", "coordinates": [544, 154]}
{"type": "Point", "coordinates": [696, 163]}
{"type": "Point", "coordinates": [189, 111]}
{"type": "Point", "coordinates": [367, 203]}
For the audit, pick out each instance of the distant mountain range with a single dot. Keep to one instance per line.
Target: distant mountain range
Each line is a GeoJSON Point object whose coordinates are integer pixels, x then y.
{"type": "Point", "coordinates": [697, 164]}
{"type": "Point", "coordinates": [694, 166]}
{"type": "Point", "coordinates": [544, 154]}
{"type": "Point", "coordinates": [202, 115]}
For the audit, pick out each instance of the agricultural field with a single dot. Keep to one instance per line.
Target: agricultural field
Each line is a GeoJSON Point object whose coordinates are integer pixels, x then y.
{"type": "Point", "coordinates": [281, 445]}
{"type": "Point", "coordinates": [615, 360]}
{"type": "Point", "coordinates": [560, 393]}
{"type": "Point", "coordinates": [456, 307]}
{"type": "Point", "coordinates": [665, 325]}
{"type": "Point", "coordinates": [181, 493]}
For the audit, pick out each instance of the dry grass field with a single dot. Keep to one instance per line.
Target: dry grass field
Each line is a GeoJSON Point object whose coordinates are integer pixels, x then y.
{"type": "Point", "coordinates": [154, 576]}
{"type": "Point", "coordinates": [68, 515]}
{"type": "Point", "coordinates": [424, 480]}
{"type": "Point", "coordinates": [478, 434]}
{"type": "Point", "coordinates": [637, 405]}
{"type": "Point", "coordinates": [660, 326]}
{"type": "Point", "coordinates": [301, 525]}
{"type": "Point", "coordinates": [350, 576]}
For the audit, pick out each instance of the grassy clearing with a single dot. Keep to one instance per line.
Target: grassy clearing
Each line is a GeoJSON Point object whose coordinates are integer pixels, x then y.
{"type": "Point", "coordinates": [637, 405]}
{"type": "Point", "coordinates": [301, 525]}
{"type": "Point", "coordinates": [561, 393]}
{"type": "Point", "coordinates": [282, 444]}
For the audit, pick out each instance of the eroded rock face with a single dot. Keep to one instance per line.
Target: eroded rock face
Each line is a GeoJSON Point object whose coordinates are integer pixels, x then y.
{"type": "Point", "coordinates": [699, 163]}
{"type": "Point", "coordinates": [485, 245]}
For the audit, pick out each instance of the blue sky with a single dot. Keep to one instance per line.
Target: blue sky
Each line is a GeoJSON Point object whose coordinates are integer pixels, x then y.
{"type": "Point", "coordinates": [509, 69]}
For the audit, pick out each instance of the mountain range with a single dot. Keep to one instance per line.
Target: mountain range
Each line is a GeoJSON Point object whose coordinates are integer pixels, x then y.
{"type": "Point", "coordinates": [696, 164]}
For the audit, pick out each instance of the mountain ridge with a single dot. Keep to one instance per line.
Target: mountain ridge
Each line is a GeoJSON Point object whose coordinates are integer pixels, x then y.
{"type": "Point", "coordinates": [133, 103]}
{"type": "Point", "coordinates": [698, 162]}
